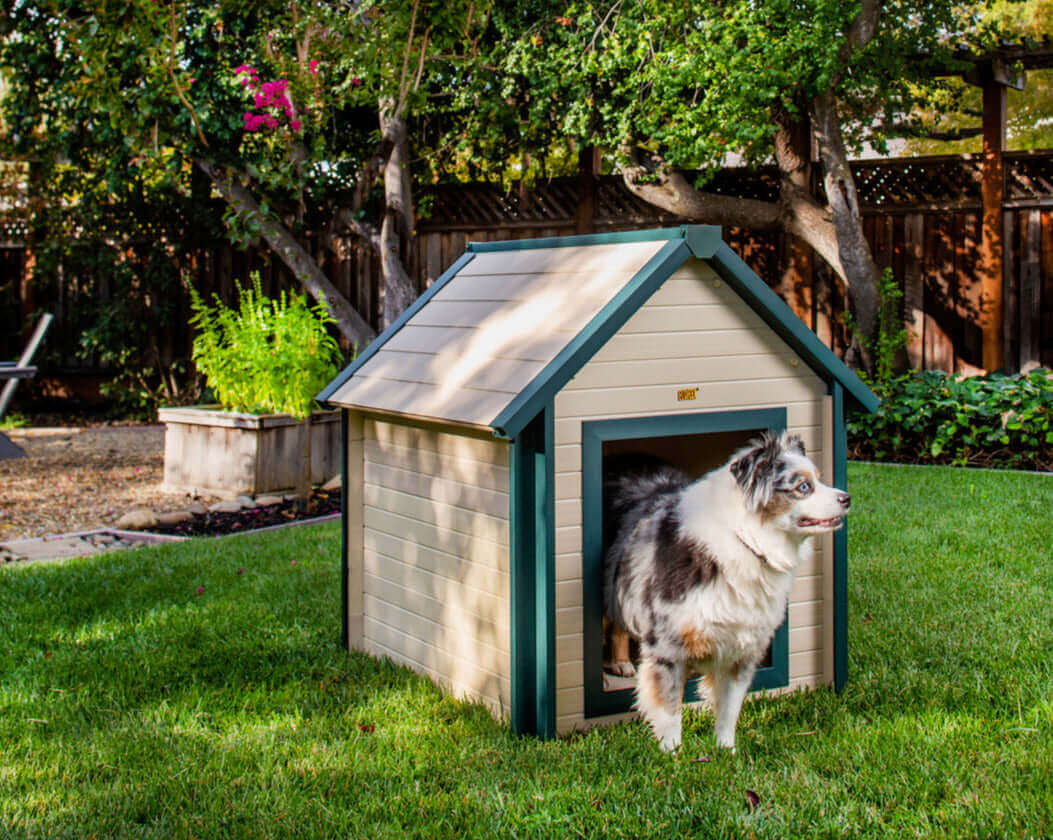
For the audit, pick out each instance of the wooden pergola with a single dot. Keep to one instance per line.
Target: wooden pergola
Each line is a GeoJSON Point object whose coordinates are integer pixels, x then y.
{"type": "Point", "coordinates": [995, 71]}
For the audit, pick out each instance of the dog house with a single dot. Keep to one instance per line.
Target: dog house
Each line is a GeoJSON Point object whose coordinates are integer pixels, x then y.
{"type": "Point", "coordinates": [475, 430]}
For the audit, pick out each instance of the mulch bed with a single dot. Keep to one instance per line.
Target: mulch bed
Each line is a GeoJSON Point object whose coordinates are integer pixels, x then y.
{"type": "Point", "coordinates": [320, 503]}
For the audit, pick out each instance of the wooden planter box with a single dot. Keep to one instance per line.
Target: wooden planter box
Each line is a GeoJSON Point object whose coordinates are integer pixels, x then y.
{"type": "Point", "coordinates": [224, 453]}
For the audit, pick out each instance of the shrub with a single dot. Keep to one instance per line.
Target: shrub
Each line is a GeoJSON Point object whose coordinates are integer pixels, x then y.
{"type": "Point", "coordinates": [267, 355]}
{"type": "Point", "coordinates": [996, 420]}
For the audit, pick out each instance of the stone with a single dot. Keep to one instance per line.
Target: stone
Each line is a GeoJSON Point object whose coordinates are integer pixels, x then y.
{"type": "Point", "coordinates": [335, 483]}
{"type": "Point", "coordinates": [246, 501]}
{"type": "Point", "coordinates": [197, 509]}
{"type": "Point", "coordinates": [137, 519]}
{"type": "Point", "coordinates": [228, 506]}
{"type": "Point", "coordinates": [174, 517]}
{"type": "Point", "coordinates": [268, 501]}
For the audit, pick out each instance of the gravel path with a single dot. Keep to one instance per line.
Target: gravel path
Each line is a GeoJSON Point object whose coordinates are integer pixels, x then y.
{"type": "Point", "coordinates": [77, 479]}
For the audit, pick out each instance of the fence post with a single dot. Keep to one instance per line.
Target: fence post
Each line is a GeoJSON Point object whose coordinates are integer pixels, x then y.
{"type": "Point", "coordinates": [992, 243]}
{"type": "Point", "coordinates": [589, 162]}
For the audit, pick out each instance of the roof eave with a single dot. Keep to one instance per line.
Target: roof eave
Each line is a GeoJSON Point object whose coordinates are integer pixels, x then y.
{"type": "Point", "coordinates": [777, 315]}
{"type": "Point", "coordinates": [326, 394]}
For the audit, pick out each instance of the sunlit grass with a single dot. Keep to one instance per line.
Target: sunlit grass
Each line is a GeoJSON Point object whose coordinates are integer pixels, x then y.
{"type": "Point", "coordinates": [131, 705]}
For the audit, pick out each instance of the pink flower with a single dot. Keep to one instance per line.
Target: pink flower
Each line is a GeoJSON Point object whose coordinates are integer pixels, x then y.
{"type": "Point", "coordinates": [295, 125]}
{"type": "Point", "coordinates": [355, 81]}
{"type": "Point", "coordinates": [313, 65]}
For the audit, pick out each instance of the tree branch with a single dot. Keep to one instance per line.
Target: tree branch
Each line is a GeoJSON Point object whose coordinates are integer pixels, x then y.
{"type": "Point", "coordinates": [351, 325]}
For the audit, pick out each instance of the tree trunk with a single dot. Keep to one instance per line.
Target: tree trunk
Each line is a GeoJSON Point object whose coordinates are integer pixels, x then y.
{"type": "Point", "coordinates": [839, 241]}
{"type": "Point", "coordinates": [350, 324]}
{"type": "Point", "coordinates": [858, 268]}
{"type": "Point", "coordinates": [396, 229]}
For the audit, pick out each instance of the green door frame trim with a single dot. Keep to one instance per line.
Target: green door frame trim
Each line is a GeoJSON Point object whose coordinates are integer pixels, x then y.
{"type": "Point", "coordinates": [840, 565]}
{"type": "Point", "coordinates": [345, 569]}
{"type": "Point", "coordinates": [593, 435]}
{"type": "Point", "coordinates": [533, 579]}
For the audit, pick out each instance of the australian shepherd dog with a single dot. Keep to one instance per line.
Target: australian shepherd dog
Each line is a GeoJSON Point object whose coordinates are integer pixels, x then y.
{"type": "Point", "coordinates": [699, 573]}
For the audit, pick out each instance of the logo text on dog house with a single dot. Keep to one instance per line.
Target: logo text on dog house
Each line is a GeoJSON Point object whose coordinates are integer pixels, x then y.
{"type": "Point", "coordinates": [687, 394]}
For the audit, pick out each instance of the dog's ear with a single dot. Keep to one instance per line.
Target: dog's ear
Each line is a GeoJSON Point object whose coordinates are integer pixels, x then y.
{"type": "Point", "coordinates": [793, 443]}
{"type": "Point", "coordinates": [754, 470]}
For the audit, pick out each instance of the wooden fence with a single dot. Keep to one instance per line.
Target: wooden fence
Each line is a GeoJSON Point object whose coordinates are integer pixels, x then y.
{"type": "Point", "coordinates": [921, 216]}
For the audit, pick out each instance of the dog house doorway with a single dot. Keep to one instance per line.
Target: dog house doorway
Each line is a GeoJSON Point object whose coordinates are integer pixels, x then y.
{"type": "Point", "coordinates": [696, 444]}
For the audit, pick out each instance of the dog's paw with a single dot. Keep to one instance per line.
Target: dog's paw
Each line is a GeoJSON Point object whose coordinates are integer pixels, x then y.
{"type": "Point", "coordinates": [620, 669]}
{"type": "Point", "coordinates": [669, 743]}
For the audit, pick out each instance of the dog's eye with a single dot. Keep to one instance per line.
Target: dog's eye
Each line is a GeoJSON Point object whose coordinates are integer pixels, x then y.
{"type": "Point", "coordinates": [804, 488]}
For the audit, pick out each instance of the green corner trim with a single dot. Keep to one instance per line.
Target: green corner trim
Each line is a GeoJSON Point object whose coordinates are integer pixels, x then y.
{"type": "Point", "coordinates": [789, 327]}
{"type": "Point", "coordinates": [382, 339]}
{"type": "Point", "coordinates": [543, 388]}
{"type": "Point", "coordinates": [345, 570]}
{"type": "Point", "coordinates": [532, 580]}
{"type": "Point", "coordinates": [593, 435]}
{"type": "Point", "coordinates": [703, 240]}
{"type": "Point", "coordinates": [840, 564]}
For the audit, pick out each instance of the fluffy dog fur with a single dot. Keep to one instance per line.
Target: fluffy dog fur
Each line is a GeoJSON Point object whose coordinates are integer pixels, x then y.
{"type": "Point", "coordinates": [700, 573]}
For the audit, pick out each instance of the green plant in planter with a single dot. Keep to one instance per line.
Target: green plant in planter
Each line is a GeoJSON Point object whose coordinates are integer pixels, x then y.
{"type": "Point", "coordinates": [266, 356]}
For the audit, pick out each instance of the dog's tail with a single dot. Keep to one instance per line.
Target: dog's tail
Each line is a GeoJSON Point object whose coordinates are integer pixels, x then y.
{"type": "Point", "coordinates": [631, 485]}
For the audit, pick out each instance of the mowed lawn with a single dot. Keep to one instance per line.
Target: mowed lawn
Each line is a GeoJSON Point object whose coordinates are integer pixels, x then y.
{"type": "Point", "coordinates": [134, 704]}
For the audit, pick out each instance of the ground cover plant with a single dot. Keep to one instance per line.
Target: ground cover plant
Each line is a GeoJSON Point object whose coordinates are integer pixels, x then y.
{"type": "Point", "coordinates": [200, 690]}
{"type": "Point", "coordinates": [931, 417]}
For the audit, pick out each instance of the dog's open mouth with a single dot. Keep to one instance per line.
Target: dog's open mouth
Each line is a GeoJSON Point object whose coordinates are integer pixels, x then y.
{"type": "Point", "coordinates": [805, 522]}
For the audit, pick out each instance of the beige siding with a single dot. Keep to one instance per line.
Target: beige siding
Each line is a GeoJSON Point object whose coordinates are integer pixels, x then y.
{"type": "Point", "coordinates": [432, 566]}
{"type": "Point", "coordinates": [693, 333]}
{"type": "Point", "coordinates": [490, 330]}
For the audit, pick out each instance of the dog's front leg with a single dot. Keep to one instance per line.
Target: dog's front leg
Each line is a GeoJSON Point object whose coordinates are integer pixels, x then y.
{"type": "Point", "coordinates": [730, 691]}
{"type": "Point", "coordinates": [659, 691]}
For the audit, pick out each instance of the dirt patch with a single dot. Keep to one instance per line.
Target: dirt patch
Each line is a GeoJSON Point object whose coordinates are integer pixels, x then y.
{"type": "Point", "coordinates": [77, 479]}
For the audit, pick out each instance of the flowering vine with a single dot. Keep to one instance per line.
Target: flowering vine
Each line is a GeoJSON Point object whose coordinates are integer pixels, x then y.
{"type": "Point", "coordinates": [270, 100]}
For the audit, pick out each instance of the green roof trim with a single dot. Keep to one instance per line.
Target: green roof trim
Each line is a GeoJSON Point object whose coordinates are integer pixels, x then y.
{"type": "Point", "coordinates": [382, 339]}
{"type": "Point", "coordinates": [703, 240]}
{"type": "Point", "coordinates": [557, 373]}
{"type": "Point", "coordinates": [788, 326]}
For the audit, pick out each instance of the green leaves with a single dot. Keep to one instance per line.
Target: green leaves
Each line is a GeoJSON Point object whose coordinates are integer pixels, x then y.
{"type": "Point", "coordinates": [267, 355]}
{"type": "Point", "coordinates": [995, 420]}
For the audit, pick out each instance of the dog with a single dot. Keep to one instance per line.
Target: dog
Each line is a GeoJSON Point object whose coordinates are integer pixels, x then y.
{"type": "Point", "coordinates": [699, 573]}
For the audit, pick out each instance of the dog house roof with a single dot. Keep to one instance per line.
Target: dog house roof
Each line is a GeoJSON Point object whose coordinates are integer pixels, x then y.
{"type": "Point", "coordinates": [510, 323]}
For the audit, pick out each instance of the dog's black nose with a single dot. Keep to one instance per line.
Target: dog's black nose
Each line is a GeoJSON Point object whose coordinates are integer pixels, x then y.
{"type": "Point", "coordinates": [845, 499]}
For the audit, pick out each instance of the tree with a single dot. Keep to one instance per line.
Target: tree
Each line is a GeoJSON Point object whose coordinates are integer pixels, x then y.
{"type": "Point", "coordinates": [298, 114]}
{"type": "Point", "coordinates": [673, 86]}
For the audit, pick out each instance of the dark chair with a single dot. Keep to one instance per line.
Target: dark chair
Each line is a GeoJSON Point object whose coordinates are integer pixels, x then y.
{"type": "Point", "coordinates": [13, 372]}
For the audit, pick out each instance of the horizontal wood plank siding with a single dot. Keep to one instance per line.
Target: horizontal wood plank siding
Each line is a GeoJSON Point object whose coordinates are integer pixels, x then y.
{"type": "Point", "coordinates": [435, 556]}
{"type": "Point", "coordinates": [694, 332]}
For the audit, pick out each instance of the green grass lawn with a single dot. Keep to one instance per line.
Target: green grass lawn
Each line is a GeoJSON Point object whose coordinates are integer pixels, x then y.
{"type": "Point", "coordinates": [133, 704]}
